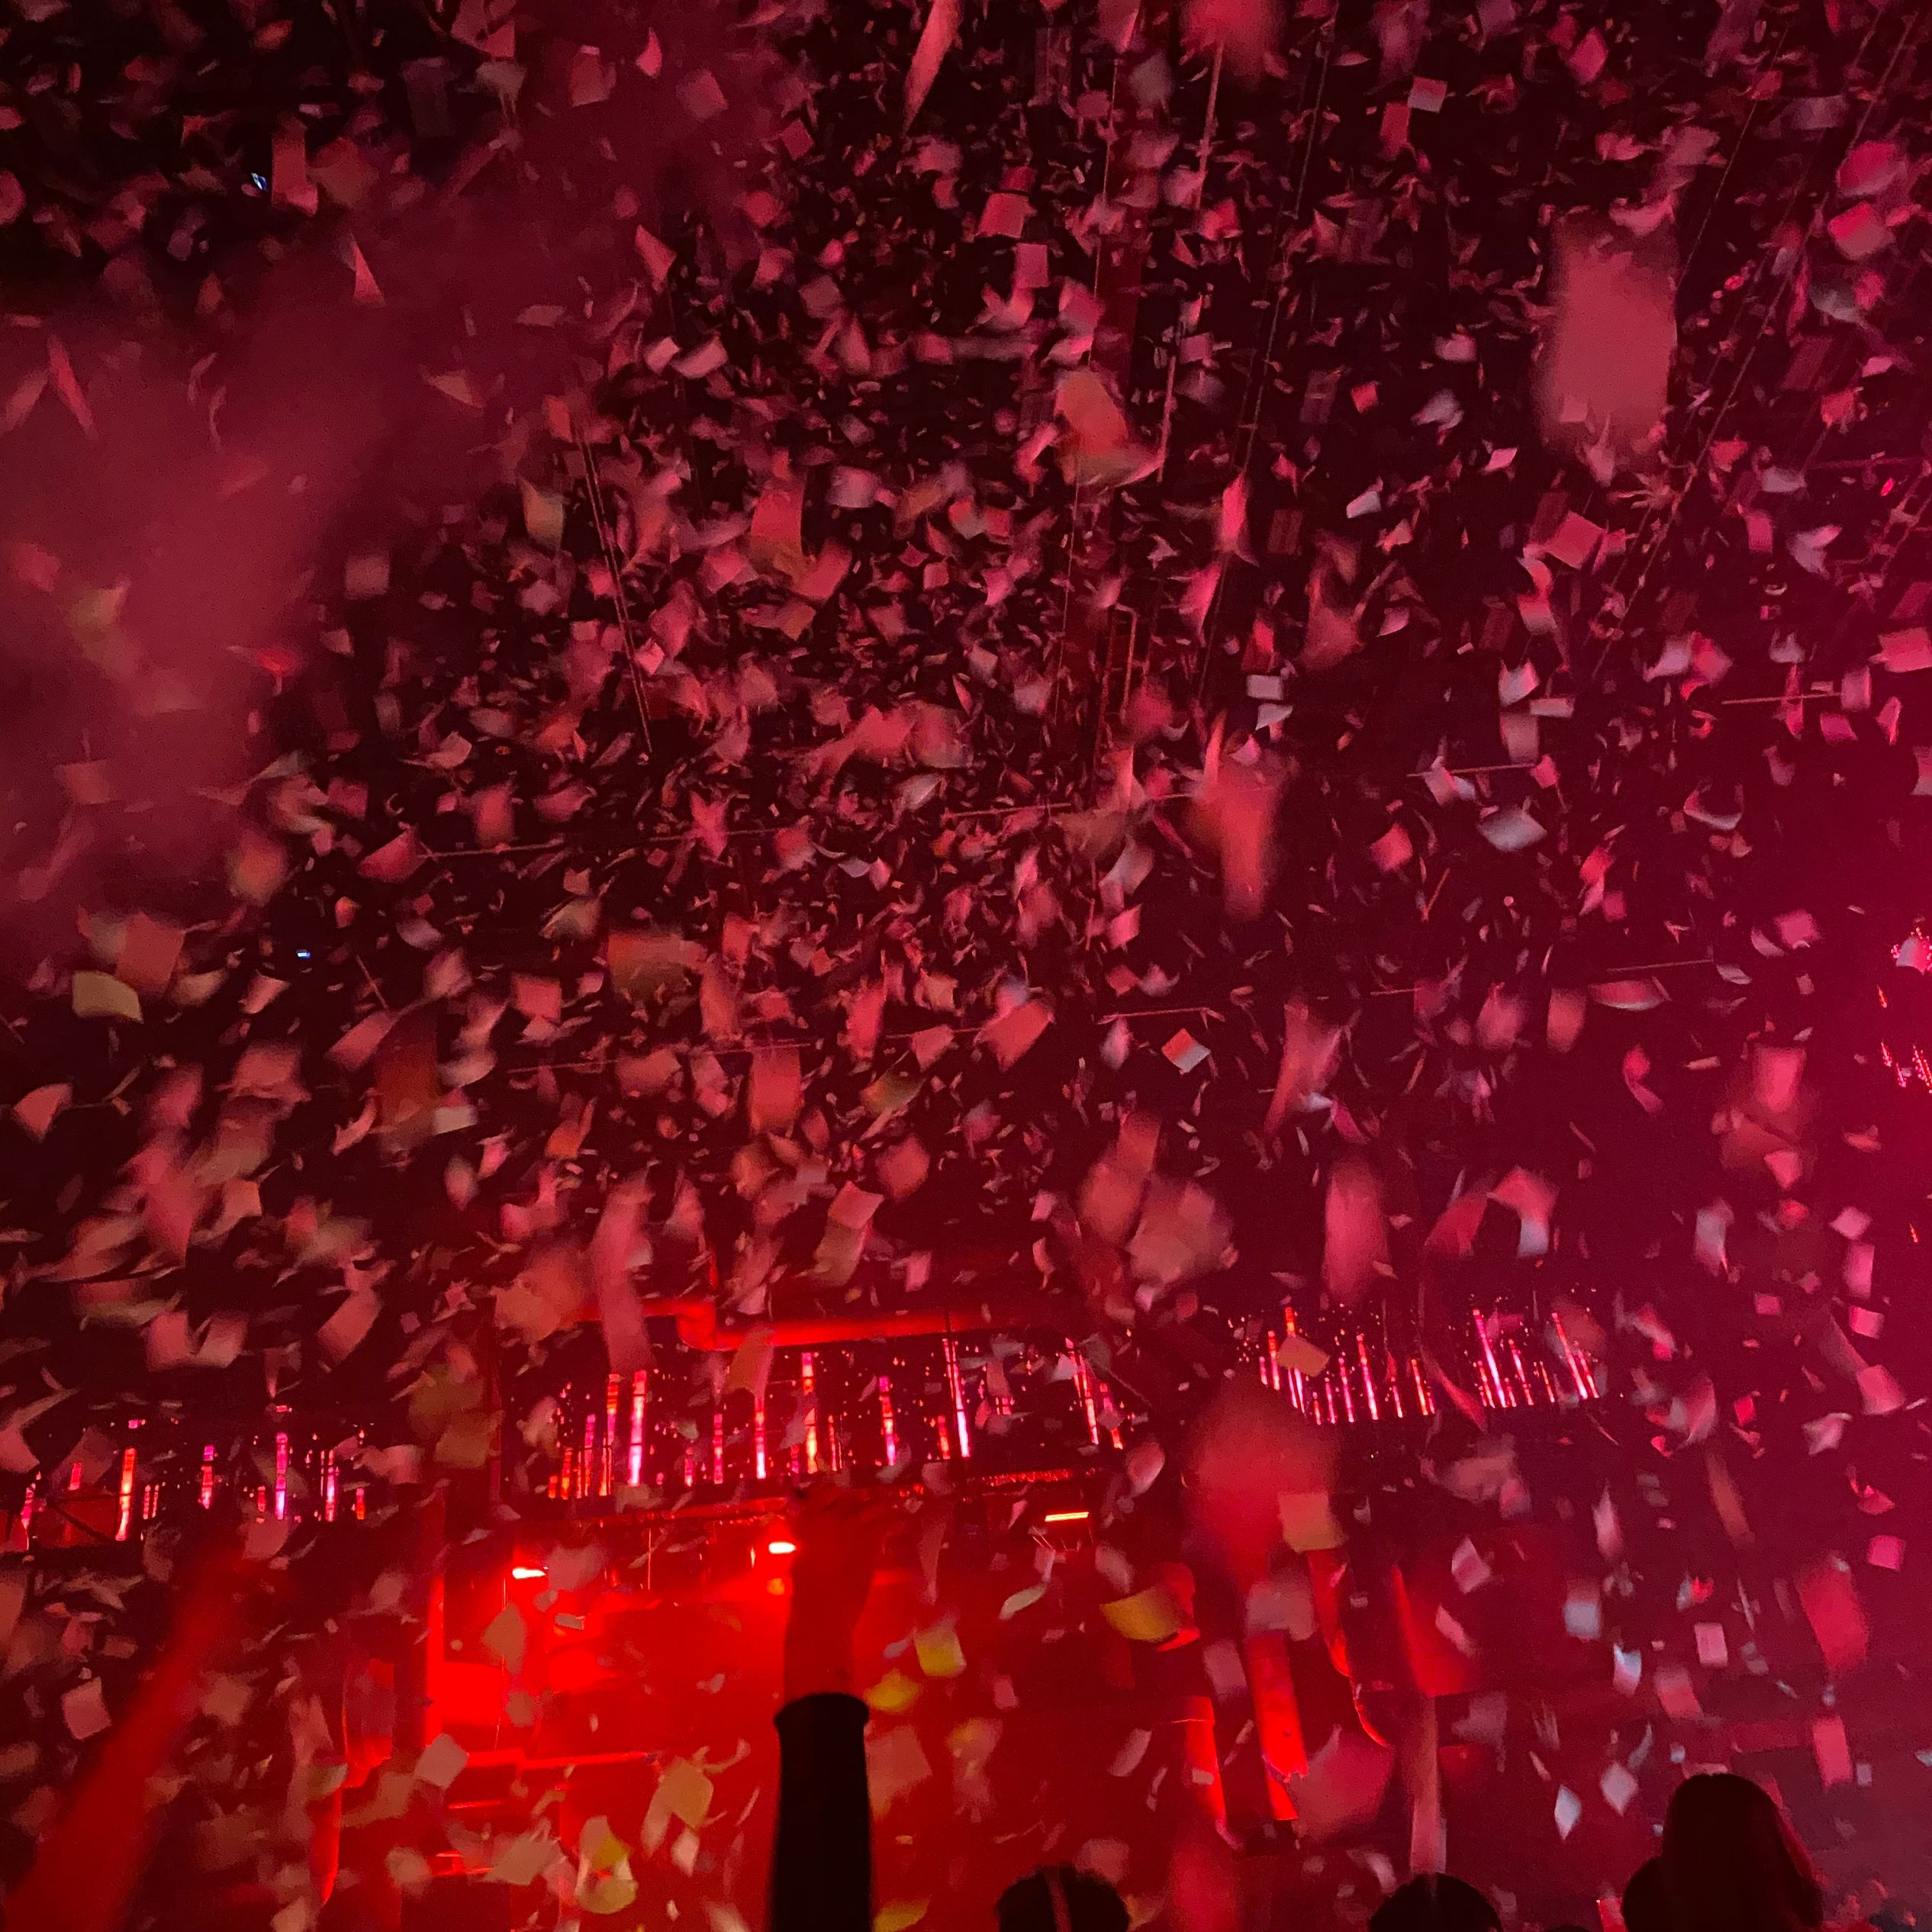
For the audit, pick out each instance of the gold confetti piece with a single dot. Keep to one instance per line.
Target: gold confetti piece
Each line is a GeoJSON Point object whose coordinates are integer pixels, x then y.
{"type": "Point", "coordinates": [939, 1653]}
{"type": "Point", "coordinates": [1296, 1353]}
{"type": "Point", "coordinates": [543, 515]}
{"type": "Point", "coordinates": [100, 995]}
{"type": "Point", "coordinates": [893, 1693]}
{"type": "Point", "coordinates": [1149, 1616]}
{"type": "Point", "coordinates": [687, 1793]}
{"type": "Point", "coordinates": [1308, 1522]}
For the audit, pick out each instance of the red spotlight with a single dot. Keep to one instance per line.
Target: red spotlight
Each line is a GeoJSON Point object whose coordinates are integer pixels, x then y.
{"type": "Point", "coordinates": [527, 1572]}
{"type": "Point", "coordinates": [780, 1546]}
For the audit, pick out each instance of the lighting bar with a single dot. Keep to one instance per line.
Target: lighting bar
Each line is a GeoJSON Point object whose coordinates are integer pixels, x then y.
{"type": "Point", "coordinates": [958, 1392]}
{"type": "Point", "coordinates": [635, 1465]}
{"type": "Point", "coordinates": [126, 1520]}
{"type": "Point", "coordinates": [1504, 1398]}
{"type": "Point", "coordinates": [1083, 1381]}
{"type": "Point", "coordinates": [1297, 1382]}
{"type": "Point", "coordinates": [1522, 1374]}
{"type": "Point", "coordinates": [607, 1473]}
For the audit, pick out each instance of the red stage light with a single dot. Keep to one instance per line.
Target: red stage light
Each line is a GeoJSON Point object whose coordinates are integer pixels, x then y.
{"type": "Point", "coordinates": [525, 1573]}
{"type": "Point", "coordinates": [780, 1546]}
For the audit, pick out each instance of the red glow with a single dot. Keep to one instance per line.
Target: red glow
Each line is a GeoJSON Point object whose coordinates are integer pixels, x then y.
{"type": "Point", "coordinates": [780, 1546]}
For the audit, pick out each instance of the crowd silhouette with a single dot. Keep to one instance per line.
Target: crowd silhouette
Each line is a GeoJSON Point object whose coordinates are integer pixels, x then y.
{"type": "Point", "coordinates": [1728, 1860]}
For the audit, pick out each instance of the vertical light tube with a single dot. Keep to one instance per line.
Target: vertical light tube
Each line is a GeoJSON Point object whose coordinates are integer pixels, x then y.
{"type": "Point", "coordinates": [1522, 1374]}
{"type": "Point", "coordinates": [1083, 1381]}
{"type": "Point", "coordinates": [634, 1466]}
{"type": "Point", "coordinates": [1505, 1398]}
{"type": "Point", "coordinates": [958, 1389]}
{"type": "Point", "coordinates": [1297, 1383]}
